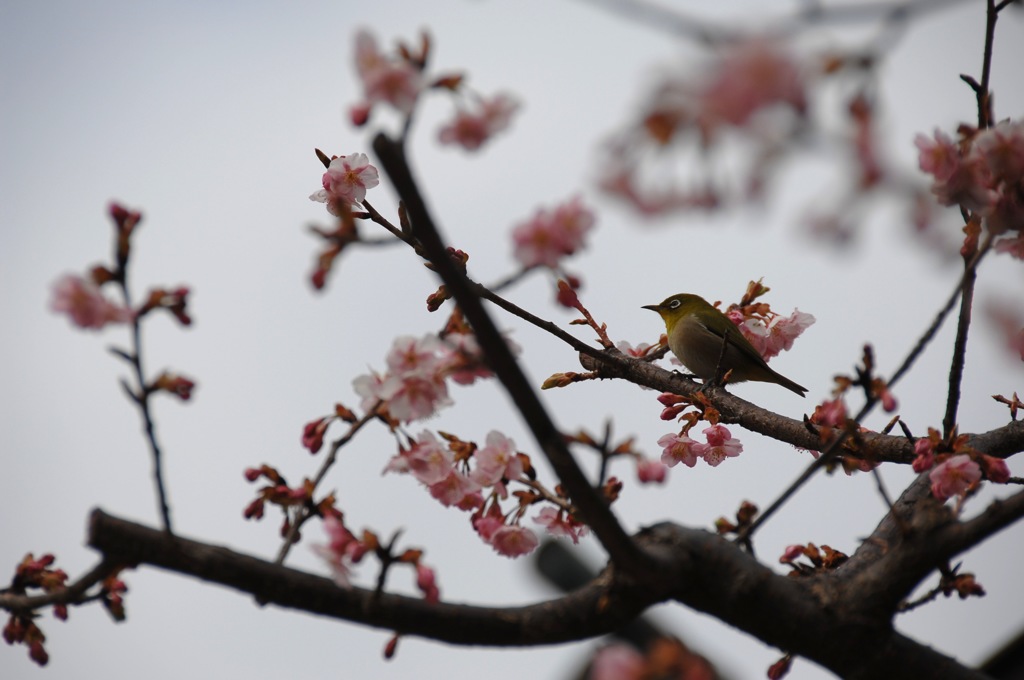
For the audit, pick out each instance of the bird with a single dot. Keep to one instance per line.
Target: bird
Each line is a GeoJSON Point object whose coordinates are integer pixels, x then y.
{"type": "Point", "coordinates": [711, 345]}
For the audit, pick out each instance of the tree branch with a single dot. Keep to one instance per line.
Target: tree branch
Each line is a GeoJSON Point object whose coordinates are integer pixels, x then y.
{"type": "Point", "coordinates": [702, 570]}
{"type": "Point", "coordinates": [593, 509]}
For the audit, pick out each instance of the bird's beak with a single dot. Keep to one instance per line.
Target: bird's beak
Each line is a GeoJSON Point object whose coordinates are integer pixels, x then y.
{"type": "Point", "coordinates": [653, 308]}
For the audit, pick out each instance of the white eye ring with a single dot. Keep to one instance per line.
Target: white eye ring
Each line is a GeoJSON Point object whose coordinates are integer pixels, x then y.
{"type": "Point", "coordinates": [674, 304]}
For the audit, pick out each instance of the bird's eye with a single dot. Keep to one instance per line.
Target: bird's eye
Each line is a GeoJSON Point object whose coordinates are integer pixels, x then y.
{"type": "Point", "coordinates": [674, 304]}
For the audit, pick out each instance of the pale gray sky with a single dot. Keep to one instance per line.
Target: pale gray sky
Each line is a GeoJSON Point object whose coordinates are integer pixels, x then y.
{"type": "Point", "coordinates": [205, 117]}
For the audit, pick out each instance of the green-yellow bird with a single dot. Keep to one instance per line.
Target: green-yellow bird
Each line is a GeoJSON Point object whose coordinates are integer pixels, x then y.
{"type": "Point", "coordinates": [696, 331]}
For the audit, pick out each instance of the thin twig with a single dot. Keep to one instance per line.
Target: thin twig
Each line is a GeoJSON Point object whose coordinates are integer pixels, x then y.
{"type": "Point", "coordinates": [142, 395]}
{"type": "Point", "coordinates": [306, 512]}
{"type": "Point", "coordinates": [76, 593]}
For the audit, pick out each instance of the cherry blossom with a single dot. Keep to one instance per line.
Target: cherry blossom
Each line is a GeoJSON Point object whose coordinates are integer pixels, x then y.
{"type": "Point", "coordinates": [346, 180]}
{"type": "Point", "coordinates": [552, 235]}
{"type": "Point", "coordinates": [995, 469]}
{"type": "Point", "coordinates": [924, 451]}
{"type": "Point", "coordinates": [775, 337]}
{"type": "Point", "coordinates": [1013, 246]}
{"type": "Point", "coordinates": [83, 302]}
{"type": "Point", "coordinates": [388, 79]}
{"type": "Point", "coordinates": [462, 360]}
{"type": "Point", "coordinates": [496, 460]}
{"type": "Point", "coordinates": [678, 448]}
{"type": "Point", "coordinates": [514, 541]}
{"type": "Point", "coordinates": [412, 397]}
{"type": "Point", "coordinates": [341, 550]}
{"type": "Point", "coordinates": [487, 523]}
{"type": "Point", "coordinates": [428, 460]}
{"type": "Point", "coordinates": [721, 445]}
{"type": "Point", "coordinates": [426, 581]}
{"type": "Point", "coordinates": [750, 76]}
{"type": "Point", "coordinates": [954, 477]}
{"type": "Point", "coordinates": [453, 489]}
{"type": "Point", "coordinates": [558, 523]}
{"type": "Point", "coordinates": [650, 471]}
{"type": "Point", "coordinates": [471, 129]}
{"type": "Point", "coordinates": [617, 662]}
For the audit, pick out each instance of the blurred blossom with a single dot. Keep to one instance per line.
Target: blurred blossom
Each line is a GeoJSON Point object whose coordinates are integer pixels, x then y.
{"type": "Point", "coordinates": [551, 235]}
{"type": "Point", "coordinates": [954, 476]}
{"type": "Point", "coordinates": [84, 304]}
{"type": "Point", "coordinates": [470, 129]}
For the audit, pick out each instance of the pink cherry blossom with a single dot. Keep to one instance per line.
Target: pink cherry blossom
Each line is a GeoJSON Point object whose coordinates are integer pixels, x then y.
{"type": "Point", "coordinates": [339, 551]}
{"type": "Point", "coordinates": [550, 236]}
{"type": "Point", "coordinates": [486, 524]}
{"type": "Point", "coordinates": [1013, 246]}
{"type": "Point", "coordinates": [426, 581]}
{"type": "Point", "coordinates": [346, 181]}
{"type": "Point", "coordinates": [462, 360]}
{"type": "Point", "coordinates": [775, 337]}
{"type": "Point", "coordinates": [678, 448]}
{"type": "Point", "coordinates": [472, 129]}
{"type": "Point", "coordinates": [721, 445]}
{"type": "Point", "coordinates": [617, 662]}
{"type": "Point", "coordinates": [792, 554]}
{"type": "Point", "coordinates": [413, 397]}
{"type": "Point", "coordinates": [428, 460]}
{"type": "Point", "coordinates": [453, 489]}
{"type": "Point", "coordinates": [409, 355]}
{"type": "Point", "coordinates": [83, 302]}
{"type": "Point", "coordinates": [938, 156]}
{"type": "Point", "coordinates": [385, 78]}
{"type": "Point", "coordinates": [924, 452]}
{"type": "Point", "coordinates": [639, 351]}
{"type": "Point", "coordinates": [751, 76]}
{"type": "Point", "coordinates": [784, 330]}
{"type": "Point", "coordinates": [514, 541]}
{"type": "Point", "coordinates": [371, 388]}
{"type": "Point", "coordinates": [558, 523]}
{"type": "Point", "coordinates": [995, 469]}
{"type": "Point", "coordinates": [959, 180]}
{"type": "Point", "coordinates": [830, 413]}
{"type": "Point", "coordinates": [954, 477]}
{"type": "Point", "coordinates": [496, 460]}
{"type": "Point", "coordinates": [650, 471]}
{"type": "Point", "coordinates": [1002, 148]}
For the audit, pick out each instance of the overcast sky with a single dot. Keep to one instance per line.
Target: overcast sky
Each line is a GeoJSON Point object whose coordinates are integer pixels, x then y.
{"type": "Point", "coordinates": [205, 116]}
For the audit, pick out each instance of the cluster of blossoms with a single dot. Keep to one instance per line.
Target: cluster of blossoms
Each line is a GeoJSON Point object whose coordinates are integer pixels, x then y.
{"type": "Point", "coordinates": [955, 468]}
{"type": "Point", "coordinates": [397, 79]}
{"type": "Point", "coordinates": [748, 79]}
{"type": "Point", "coordinates": [551, 235]}
{"type": "Point", "coordinates": [680, 448]}
{"type": "Point", "coordinates": [39, 573]}
{"type": "Point", "coordinates": [984, 173]}
{"type": "Point", "coordinates": [415, 386]}
{"type": "Point", "coordinates": [768, 332]}
{"type": "Point", "coordinates": [461, 475]}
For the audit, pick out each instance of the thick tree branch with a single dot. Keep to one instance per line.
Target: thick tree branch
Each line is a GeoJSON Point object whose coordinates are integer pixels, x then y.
{"type": "Point", "coordinates": [812, 617]}
{"type": "Point", "coordinates": [590, 611]}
